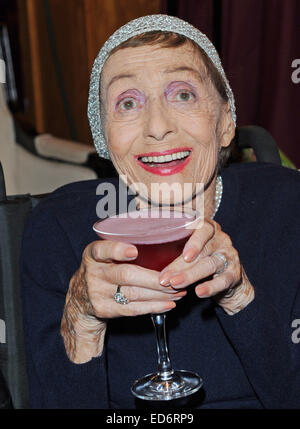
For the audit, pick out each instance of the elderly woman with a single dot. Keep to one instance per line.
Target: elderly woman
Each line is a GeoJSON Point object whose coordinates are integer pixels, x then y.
{"type": "Point", "coordinates": [158, 88]}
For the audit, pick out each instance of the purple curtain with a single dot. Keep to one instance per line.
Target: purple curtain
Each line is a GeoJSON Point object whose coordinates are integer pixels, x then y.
{"type": "Point", "coordinates": [258, 40]}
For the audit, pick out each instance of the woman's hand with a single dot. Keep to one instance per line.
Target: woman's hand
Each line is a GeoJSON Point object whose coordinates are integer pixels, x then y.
{"type": "Point", "coordinates": [90, 298]}
{"type": "Point", "coordinates": [201, 263]}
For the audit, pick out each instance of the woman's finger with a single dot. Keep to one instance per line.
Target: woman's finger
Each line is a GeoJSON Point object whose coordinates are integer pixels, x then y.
{"type": "Point", "coordinates": [198, 240]}
{"type": "Point", "coordinates": [148, 307]}
{"type": "Point", "coordinates": [108, 251]}
{"type": "Point", "coordinates": [104, 305]}
{"type": "Point", "coordinates": [133, 275]}
{"type": "Point", "coordinates": [179, 264]}
{"type": "Point", "coordinates": [204, 267]}
{"type": "Point", "coordinates": [218, 284]}
{"type": "Point", "coordinates": [132, 293]}
{"type": "Point", "coordinates": [199, 244]}
{"type": "Point", "coordinates": [139, 294]}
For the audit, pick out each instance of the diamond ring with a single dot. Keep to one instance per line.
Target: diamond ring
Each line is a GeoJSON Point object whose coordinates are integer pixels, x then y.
{"type": "Point", "coordinates": [119, 297]}
{"type": "Point", "coordinates": [223, 257]}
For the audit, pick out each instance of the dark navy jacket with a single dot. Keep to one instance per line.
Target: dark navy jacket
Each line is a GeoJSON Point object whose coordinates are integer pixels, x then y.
{"type": "Point", "coordinates": [249, 360]}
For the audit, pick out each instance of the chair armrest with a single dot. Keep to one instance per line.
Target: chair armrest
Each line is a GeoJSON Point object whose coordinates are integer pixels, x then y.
{"type": "Point", "coordinates": [49, 146]}
{"type": "Point", "coordinates": [261, 141]}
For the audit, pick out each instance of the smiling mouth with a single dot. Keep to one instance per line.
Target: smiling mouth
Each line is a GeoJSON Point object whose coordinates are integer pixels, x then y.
{"type": "Point", "coordinates": [165, 163]}
{"type": "Point", "coordinates": [168, 160]}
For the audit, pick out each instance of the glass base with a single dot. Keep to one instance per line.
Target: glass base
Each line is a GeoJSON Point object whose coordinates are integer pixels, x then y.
{"type": "Point", "coordinates": [153, 387]}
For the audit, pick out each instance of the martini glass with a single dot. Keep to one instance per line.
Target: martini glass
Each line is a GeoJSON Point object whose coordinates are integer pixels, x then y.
{"type": "Point", "coordinates": [160, 236]}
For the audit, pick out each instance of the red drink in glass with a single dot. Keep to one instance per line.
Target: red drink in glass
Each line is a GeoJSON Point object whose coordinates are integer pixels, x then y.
{"type": "Point", "coordinates": [159, 236]}
{"type": "Point", "coordinates": [157, 256]}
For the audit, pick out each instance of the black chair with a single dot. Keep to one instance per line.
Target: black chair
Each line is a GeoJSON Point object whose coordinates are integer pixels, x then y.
{"type": "Point", "coordinates": [5, 398]}
{"type": "Point", "coordinates": [261, 141]}
{"type": "Point", "coordinates": [13, 213]}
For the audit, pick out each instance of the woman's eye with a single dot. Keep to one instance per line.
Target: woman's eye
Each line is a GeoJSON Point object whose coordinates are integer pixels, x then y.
{"type": "Point", "coordinates": [184, 96]}
{"type": "Point", "coordinates": [128, 104]}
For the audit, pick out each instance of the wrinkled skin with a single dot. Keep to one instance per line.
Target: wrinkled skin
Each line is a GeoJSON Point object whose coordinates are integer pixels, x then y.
{"type": "Point", "coordinates": [150, 103]}
{"type": "Point", "coordinates": [170, 109]}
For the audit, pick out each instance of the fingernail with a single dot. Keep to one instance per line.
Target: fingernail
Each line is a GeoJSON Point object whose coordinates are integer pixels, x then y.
{"type": "Point", "coordinates": [171, 289]}
{"type": "Point", "coordinates": [202, 292]}
{"type": "Point", "coordinates": [176, 279]}
{"type": "Point", "coordinates": [167, 285]}
{"type": "Point", "coordinates": [189, 255]}
{"type": "Point", "coordinates": [131, 252]}
{"type": "Point", "coordinates": [179, 296]}
{"type": "Point", "coordinates": [170, 306]}
{"type": "Point", "coordinates": [164, 280]}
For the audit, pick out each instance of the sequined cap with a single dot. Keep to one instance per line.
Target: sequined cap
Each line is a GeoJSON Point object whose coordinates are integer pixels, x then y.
{"type": "Point", "coordinates": [141, 25]}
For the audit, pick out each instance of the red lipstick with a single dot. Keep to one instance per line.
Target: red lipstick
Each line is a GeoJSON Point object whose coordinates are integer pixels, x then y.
{"type": "Point", "coordinates": [167, 168]}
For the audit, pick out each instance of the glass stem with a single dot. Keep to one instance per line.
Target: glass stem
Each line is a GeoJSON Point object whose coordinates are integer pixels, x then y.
{"type": "Point", "coordinates": [165, 369]}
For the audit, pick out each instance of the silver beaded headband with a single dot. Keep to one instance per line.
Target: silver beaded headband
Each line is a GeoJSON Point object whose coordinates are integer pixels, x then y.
{"type": "Point", "coordinates": [141, 25]}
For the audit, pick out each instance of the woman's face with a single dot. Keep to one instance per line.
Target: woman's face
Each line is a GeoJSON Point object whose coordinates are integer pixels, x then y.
{"type": "Point", "coordinates": [164, 120]}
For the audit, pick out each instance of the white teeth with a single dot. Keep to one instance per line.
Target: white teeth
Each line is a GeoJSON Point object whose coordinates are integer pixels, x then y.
{"type": "Point", "coordinates": [165, 158]}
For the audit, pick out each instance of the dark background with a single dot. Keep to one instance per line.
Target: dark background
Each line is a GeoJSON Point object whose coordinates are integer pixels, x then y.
{"type": "Point", "coordinates": [257, 41]}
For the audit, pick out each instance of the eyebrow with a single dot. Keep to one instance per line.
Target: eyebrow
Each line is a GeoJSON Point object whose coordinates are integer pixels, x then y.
{"type": "Point", "coordinates": [120, 76]}
{"type": "Point", "coordinates": [202, 76]}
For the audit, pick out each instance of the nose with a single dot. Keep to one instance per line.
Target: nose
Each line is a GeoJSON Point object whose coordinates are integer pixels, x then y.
{"type": "Point", "coordinates": [159, 124]}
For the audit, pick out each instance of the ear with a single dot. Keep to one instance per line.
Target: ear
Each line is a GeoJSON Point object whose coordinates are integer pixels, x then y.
{"type": "Point", "coordinates": [227, 128]}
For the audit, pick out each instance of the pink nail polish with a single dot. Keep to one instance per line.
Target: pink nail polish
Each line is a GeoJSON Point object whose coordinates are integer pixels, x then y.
{"type": "Point", "coordinates": [202, 293]}
{"type": "Point", "coordinates": [189, 255]}
{"type": "Point", "coordinates": [170, 306]}
{"type": "Point", "coordinates": [165, 279]}
{"type": "Point", "coordinates": [176, 280]}
{"type": "Point", "coordinates": [180, 295]}
{"type": "Point", "coordinates": [130, 252]}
